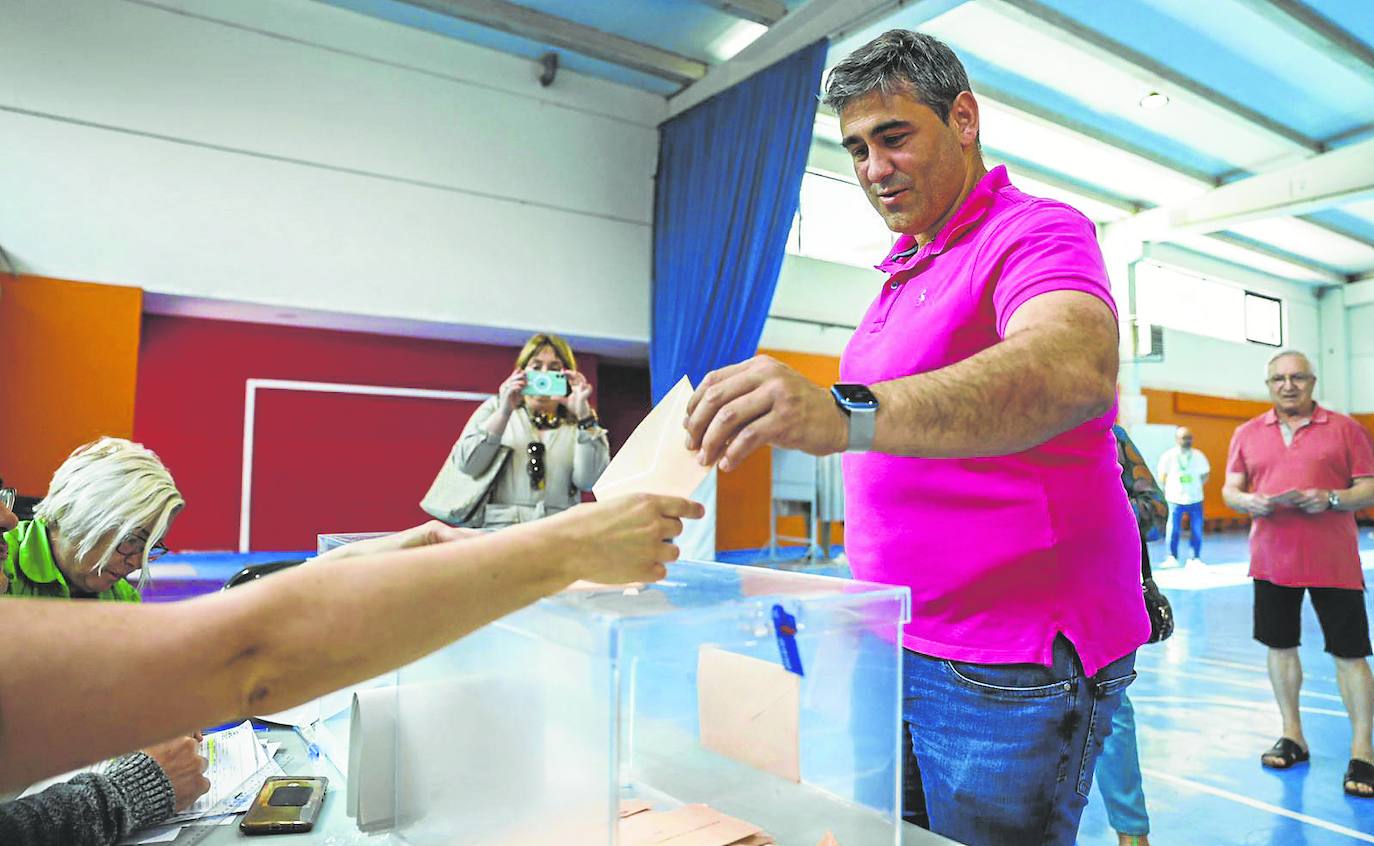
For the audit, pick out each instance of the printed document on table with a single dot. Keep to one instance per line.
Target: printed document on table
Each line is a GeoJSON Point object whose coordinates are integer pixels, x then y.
{"type": "Point", "coordinates": [233, 757]}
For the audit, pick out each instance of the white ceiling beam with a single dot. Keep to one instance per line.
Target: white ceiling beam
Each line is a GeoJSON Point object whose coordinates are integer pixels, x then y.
{"type": "Point", "coordinates": [817, 19]}
{"type": "Point", "coordinates": [1360, 291]}
{"type": "Point", "coordinates": [1317, 31]}
{"type": "Point", "coordinates": [766, 12]}
{"type": "Point", "coordinates": [1328, 274]}
{"type": "Point", "coordinates": [571, 36]}
{"type": "Point", "coordinates": [1016, 164]}
{"type": "Point", "coordinates": [983, 91]}
{"type": "Point", "coordinates": [1193, 259]}
{"type": "Point", "coordinates": [1006, 99]}
{"type": "Point", "coordinates": [1038, 17]}
{"type": "Point", "coordinates": [1331, 179]}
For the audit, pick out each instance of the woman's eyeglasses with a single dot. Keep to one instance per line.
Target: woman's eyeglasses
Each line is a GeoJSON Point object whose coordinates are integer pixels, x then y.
{"type": "Point", "coordinates": [535, 465]}
{"type": "Point", "coordinates": [132, 545]}
{"type": "Point", "coordinates": [7, 497]}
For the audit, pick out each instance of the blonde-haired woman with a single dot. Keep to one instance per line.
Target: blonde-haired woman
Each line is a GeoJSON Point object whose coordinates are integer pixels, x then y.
{"type": "Point", "coordinates": [107, 509]}
{"type": "Point", "coordinates": [550, 447]}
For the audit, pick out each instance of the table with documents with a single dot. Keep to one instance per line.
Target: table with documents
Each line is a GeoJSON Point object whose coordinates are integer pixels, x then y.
{"type": "Point", "coordinates": [336, 829]}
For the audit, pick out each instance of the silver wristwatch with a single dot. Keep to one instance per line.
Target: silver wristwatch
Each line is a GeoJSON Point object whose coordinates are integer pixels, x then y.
{"type": "Point", "coordinates": [1333, 500]}
{"type": "Point", "coordinates": [861, 406]}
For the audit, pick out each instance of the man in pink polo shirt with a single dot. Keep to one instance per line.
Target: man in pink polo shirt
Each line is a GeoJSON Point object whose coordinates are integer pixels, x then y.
{"type": "Point", "coordinates": [1300, 470]}
{"type": "Point", "coordinates": [976, 408]}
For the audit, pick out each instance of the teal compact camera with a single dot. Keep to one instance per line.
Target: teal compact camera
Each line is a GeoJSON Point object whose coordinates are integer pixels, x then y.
{"type": "Point", "coordinates": [545, 383]}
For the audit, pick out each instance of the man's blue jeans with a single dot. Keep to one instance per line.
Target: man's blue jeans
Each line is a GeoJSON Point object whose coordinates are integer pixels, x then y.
{"type": "Point", "coordinates": [1194, 513]}
{"type": "Point", "coordinates": [1118, 776]}
{"type": "Point", "coordinates": [1006, 752]}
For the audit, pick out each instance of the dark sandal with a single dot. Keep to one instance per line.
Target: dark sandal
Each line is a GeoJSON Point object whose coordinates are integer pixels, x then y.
{"type": "Point", "coordinates": [1359, 772]}
{"type": "Point", "coordinates": [1288, 752]}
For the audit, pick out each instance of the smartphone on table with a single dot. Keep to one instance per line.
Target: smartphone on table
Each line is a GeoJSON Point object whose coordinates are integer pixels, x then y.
{"type": "Point", "coordinates": [285, 805]}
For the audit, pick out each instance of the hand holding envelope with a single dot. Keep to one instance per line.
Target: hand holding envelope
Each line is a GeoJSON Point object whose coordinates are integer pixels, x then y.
{"type": "Point", "coordinates": [1288, 498]}
{"type": "Point", "coordinates": [655, 459]}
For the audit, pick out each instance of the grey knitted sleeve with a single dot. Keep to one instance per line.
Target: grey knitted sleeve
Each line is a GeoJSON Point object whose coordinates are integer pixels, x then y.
{"type": "Point", "coordinates": [91, 809]}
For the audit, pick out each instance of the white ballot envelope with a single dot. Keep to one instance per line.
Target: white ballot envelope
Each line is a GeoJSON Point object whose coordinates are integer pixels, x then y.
{"type": "Point", "coordinates": [655, 459]}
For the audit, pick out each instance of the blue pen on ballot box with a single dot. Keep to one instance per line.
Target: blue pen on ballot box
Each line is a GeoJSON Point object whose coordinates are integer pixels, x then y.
{"type": "Point", "coordinates": [786, 627]}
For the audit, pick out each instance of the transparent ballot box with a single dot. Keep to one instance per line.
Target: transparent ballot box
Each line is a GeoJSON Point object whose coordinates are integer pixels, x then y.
{"type": "Point", "coordinates": [769, 697]}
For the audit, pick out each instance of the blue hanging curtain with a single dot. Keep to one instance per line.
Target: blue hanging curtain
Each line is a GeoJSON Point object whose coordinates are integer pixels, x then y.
{"type": "Point", "coordinates": [729, 176]}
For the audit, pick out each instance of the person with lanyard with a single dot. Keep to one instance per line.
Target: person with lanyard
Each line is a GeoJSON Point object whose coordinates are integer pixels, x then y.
{"type": "Point", "coordinates": [1301, 471]}
{"type": "Point", "coordinates": [107, 509]}
{"type": "Point", "coordinates": [975, 410]}
{"type": "Point", "coordinates": [1183, 470]}
{"type": "Point", "coordinates": [528, 452]}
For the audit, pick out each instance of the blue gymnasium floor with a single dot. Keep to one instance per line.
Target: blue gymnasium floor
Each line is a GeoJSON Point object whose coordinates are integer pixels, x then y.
{"type": "Point", "coordinates": [1204, 709]}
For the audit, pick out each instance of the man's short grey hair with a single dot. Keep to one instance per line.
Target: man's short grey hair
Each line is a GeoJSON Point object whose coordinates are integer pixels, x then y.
{"type": "Point", "coordinates": [899, 62]}
{"type": "Point", "coordinates": [1284, 354]}
{"type": "Point", "coordinates": [107, 489]}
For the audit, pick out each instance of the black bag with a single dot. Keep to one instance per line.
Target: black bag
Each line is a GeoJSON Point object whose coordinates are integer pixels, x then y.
{"type": "Point", "coordinates": [1161, 613]}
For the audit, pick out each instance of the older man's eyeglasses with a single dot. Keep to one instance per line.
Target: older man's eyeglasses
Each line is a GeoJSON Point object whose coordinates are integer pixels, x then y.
{"type": "Point", "coordinates": [1298, 379]}
{"type": "Point", "coordinates": [7, 497]}
{"type": "Point", "coordinates": [535, 465]}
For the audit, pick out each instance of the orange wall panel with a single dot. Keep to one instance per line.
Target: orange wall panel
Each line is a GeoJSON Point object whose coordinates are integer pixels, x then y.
{"type": "Point", "coordinates": [1213, 420]}
{"type": "Point", "coordinates": [1205, 406]}
{"type": "Point", "coordinates": [70, 357]}
{"type": "Point", "coordinates": [742, 495]}
{"type": "Point", "coordinates": [1367, 421]}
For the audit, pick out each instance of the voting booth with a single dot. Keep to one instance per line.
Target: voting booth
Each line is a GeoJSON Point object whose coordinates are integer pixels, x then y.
{"type": "Point", "coordinates": [723, 705]}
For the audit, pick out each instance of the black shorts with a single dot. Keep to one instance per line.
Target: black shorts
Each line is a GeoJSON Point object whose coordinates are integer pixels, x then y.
{"type": "Point", "coordinates": [1341, 612]}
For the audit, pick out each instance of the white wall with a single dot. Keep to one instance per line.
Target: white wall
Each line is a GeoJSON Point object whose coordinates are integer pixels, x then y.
{"type": "Point", "coordinates": [833, 296]}
{"type": "Point", "coordinates": [1205, 365]}
{"type": "Point", "coordinates": [1359, 301]}
{"type": "Point", "coordinates": [293, 154]}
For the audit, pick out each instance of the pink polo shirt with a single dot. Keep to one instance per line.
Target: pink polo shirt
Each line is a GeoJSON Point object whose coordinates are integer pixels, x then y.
{"type": "Point", "coordinates": [1001, 554]}
{"type": "Point", "coordinates": [1291, 547]}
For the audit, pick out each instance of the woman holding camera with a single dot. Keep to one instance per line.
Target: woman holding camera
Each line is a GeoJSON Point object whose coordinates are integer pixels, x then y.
{"type": "Point", "coordinates": [529, 451]}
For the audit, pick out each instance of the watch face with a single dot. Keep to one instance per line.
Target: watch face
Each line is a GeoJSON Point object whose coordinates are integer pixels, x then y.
{"type": "Point", "coordinates": [855, 396]}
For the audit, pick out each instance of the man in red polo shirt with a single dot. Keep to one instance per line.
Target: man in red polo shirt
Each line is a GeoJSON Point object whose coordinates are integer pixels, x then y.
{"type": "Point", "coordinates": [1300, 470]}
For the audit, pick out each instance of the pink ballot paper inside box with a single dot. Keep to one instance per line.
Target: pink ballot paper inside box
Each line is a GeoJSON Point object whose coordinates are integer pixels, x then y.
{"type": "Point", "coordinates": [655, 459]}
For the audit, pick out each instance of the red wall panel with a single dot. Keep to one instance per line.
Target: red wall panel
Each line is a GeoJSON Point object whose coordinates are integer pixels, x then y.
{"type": "Point", "coordinates": [310, 476]}
{"type": "Point", "coordinates": [189, 408]}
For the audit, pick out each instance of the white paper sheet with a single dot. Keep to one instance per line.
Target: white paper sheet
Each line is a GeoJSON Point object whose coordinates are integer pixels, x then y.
{"type": "Point", "coordinates": [372, 759]}
{"type": "Point", "coordinates": [233, 800]}
{"type": "Point", "coordinates": [233, 757]}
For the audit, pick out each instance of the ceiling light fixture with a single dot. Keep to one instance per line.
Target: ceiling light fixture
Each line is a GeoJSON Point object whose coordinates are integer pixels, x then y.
{"type": "Point", "coordinates": [1154, 100]}
{"type": "Point", "coordinates": [733, 40]}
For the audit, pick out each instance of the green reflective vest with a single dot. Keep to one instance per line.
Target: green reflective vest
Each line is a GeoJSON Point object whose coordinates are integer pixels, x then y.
{"type": "Point", "coordinates": [33, 572]}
